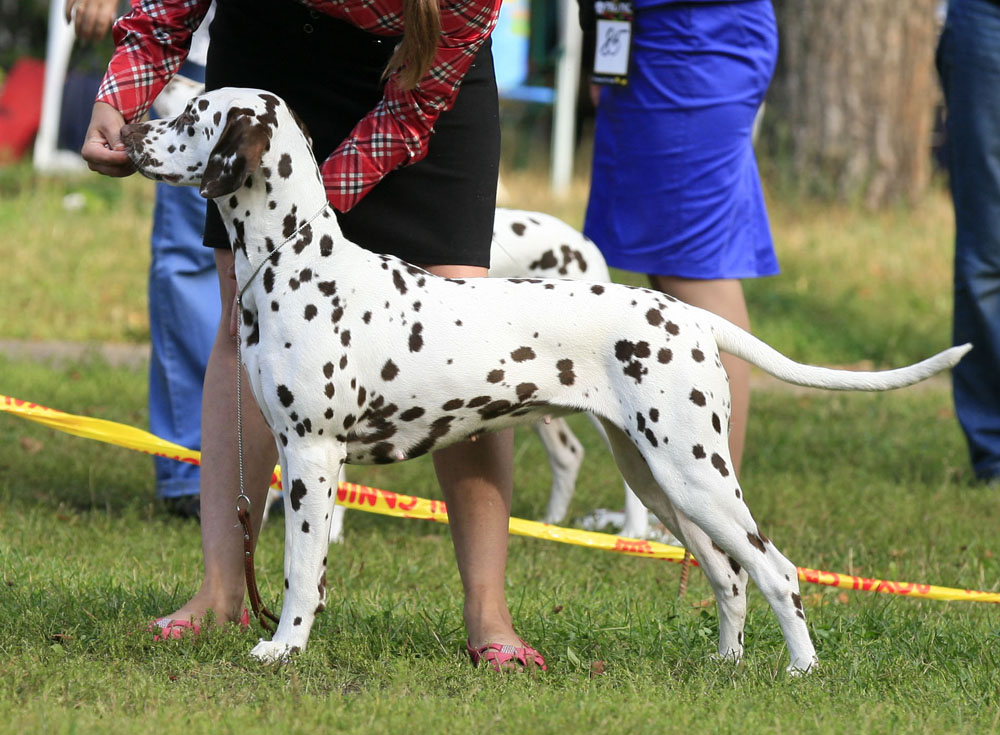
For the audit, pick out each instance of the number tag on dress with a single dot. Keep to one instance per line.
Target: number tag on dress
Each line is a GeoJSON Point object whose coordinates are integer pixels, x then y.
{"type": "Point", "coordinates": [613, 41]}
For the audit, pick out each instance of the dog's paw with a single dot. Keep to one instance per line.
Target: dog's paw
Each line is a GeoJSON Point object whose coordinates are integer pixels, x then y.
{"type": "Point", "coordinates": [800, 668]}
{"type": "Point", "coordinates": [270, 652]}
{"type": "Point", "coordinates": [732, 656]}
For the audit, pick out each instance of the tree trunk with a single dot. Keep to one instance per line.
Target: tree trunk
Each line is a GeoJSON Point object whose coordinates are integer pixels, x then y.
{"type": "Point", "coordinates": [850, 109]}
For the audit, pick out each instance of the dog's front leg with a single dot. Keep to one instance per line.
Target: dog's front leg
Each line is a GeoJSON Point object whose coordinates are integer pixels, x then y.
{"type": "Point", "coordinates": [310, 469]}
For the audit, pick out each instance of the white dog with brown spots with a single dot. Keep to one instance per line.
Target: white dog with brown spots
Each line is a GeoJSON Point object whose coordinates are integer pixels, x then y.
{"type": "Point", "coordinates": [538, 245]}
{"type": "Point", "coordinates": [362, 358]}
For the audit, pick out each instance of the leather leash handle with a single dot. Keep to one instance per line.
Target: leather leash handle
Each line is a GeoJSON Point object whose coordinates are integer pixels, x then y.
{"type": "Point", "coordinates": [256, 604]}
{"type": "Point", "coordinates": [685, 567]}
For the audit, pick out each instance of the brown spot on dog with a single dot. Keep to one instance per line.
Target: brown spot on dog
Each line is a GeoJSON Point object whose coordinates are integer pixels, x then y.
{"type": "Point", "coordinates": [525, 391]}
{"type": "Point", "coordinates": [298, 492]}
{"type": "Point", "coordinates": [411, 414]}
{"type": "Point", "coordinates": [566, 374]}
{"type": "Point", "coordinates": [416, 340]}
{"type": "Point", "coordinates": [398, 282]}
{"type": "Point", "coordinates": [720, 464]}
{"type": "Point", "coordinates": [389, 370]}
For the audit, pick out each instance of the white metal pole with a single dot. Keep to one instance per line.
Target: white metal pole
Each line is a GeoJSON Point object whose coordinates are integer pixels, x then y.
{"type": "Point", "coordinates": [57, 52]}
{"type": "Point", "coordinates": [564, 108]}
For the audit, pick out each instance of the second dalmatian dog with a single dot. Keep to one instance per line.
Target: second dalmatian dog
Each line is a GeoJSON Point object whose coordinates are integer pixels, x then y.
{"type": "Point", "coordinates": [538, 245]}
{"type": "Point", "coordinates": [362, 358]}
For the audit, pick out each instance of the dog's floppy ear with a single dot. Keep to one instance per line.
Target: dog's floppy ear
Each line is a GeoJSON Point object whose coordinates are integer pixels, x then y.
{"type": "Point", "coordinates": [302, 126]}
{"type": "Point", "coordinates": [236, 155]}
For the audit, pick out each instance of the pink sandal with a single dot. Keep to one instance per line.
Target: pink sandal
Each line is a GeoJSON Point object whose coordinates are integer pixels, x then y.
{"type": "Point", "coordinates": [505, 657]}
{"type": "Point", "coordinates": [167, 629]}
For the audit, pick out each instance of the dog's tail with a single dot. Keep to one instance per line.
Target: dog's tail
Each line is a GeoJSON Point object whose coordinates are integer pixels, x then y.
{"type": "Point", "coordinates": [740, 343]}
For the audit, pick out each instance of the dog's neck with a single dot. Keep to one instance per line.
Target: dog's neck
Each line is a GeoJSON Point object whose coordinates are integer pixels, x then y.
{"type": "Point", "coordinates": [267, 211]}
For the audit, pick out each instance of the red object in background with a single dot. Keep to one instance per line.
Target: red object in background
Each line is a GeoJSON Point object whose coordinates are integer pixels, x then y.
{"type": "Point", "coordinates": [20, 108]}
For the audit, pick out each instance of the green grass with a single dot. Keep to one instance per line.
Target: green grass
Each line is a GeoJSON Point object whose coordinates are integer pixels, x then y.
{"type": "Point", "coordinates": [876, 485]}
{"type": "Point", "coordinates": [86, 559]}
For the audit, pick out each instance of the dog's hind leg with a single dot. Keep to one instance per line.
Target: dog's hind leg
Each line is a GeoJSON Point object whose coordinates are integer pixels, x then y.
{"type": "Point", "coordinates": [565, 455]}
{"type": "Point", "coordinates": [727, 578]}
{"type": "Point", "coordinates": [309, 471]}
{"type": "Point", "coordinates": [699, 485]}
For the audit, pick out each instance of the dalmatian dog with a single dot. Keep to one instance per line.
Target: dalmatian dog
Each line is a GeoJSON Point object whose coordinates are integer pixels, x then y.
{"type": "Point", "coordinates": [355, 357]}
{"type": "Point", "coordinates": [535, 244]}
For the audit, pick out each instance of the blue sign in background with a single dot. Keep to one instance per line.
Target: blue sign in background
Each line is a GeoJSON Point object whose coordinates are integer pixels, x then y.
{"type": "Point", "coordinates": [511, 39]}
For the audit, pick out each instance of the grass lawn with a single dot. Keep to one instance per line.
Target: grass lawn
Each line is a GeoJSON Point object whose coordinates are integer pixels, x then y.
{"type": "Point", "coordinates": [875, 485]}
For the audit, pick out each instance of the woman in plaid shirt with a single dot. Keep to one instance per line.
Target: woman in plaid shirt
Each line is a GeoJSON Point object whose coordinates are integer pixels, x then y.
{"type": "Point", "coordinates": [404, 118]}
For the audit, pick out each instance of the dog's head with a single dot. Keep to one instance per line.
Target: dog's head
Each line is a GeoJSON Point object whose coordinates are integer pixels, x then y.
{"type": "Point", "coordinates": [216, 143]}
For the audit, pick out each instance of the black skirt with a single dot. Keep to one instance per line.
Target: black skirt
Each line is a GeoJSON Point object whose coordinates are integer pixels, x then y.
{"type": "Point", "coordinates": [438, 211]}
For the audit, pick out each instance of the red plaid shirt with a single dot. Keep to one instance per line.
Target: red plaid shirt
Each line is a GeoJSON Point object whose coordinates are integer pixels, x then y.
{"type": "Point", "coordinates": [152, 41]}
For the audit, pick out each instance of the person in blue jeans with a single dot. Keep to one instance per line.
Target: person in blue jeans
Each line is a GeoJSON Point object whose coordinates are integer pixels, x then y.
{"type": "Point", "coordinates": [183, 318]}
{"type": "Point", "coordinates": [183, 292]}
{"type": "Point", "coordinates": [968, 61]}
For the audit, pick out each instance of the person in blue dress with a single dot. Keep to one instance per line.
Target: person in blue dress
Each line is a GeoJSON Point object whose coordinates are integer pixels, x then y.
{"type": "Point", "coordinates": [675, 191]}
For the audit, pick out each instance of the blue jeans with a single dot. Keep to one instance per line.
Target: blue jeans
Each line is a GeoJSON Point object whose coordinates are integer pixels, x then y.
{"type": "Point", "coordinates": [183, 319]}
{"type": "Point", "coordinates": [968, 60]}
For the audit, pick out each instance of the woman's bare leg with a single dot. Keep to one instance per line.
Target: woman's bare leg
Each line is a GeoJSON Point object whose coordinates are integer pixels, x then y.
{"type": "Point", "coordinates": [477, 481]}
{"type": "Point", "coordinates": [222, 588]}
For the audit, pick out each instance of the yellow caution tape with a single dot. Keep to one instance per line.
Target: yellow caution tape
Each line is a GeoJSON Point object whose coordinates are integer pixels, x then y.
{"type": "Point", "coordinates": [384, 502]}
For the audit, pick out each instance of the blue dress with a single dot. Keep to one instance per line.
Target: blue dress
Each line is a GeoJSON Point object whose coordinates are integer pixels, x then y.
{"type": "Point", "coordinates": [675, 189]}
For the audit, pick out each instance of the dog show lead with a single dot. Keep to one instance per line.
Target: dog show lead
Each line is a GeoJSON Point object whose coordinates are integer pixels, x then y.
{"type": "Point", "coordinates": [372, 80]}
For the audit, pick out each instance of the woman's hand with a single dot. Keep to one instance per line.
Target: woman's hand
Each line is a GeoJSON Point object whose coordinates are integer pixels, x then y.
{"type": "Point", "coordinates": [92, 19]}
{"type": "Point", "coordinates": [103, 149]}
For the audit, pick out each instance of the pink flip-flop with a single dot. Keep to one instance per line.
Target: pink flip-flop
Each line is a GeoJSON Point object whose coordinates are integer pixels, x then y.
{"type": "Point", "coordinates": [167, 629]}
{"type": "Point", "coordinates": [505, 657]}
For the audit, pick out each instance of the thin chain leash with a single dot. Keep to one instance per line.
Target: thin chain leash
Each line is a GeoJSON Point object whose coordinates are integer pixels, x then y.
{"type": "Point", "coordinates": [260, 610]}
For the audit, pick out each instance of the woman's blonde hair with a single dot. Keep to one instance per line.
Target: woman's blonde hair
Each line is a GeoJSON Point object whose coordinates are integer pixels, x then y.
{"type": "Point", "coordinates": [415, 53]}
